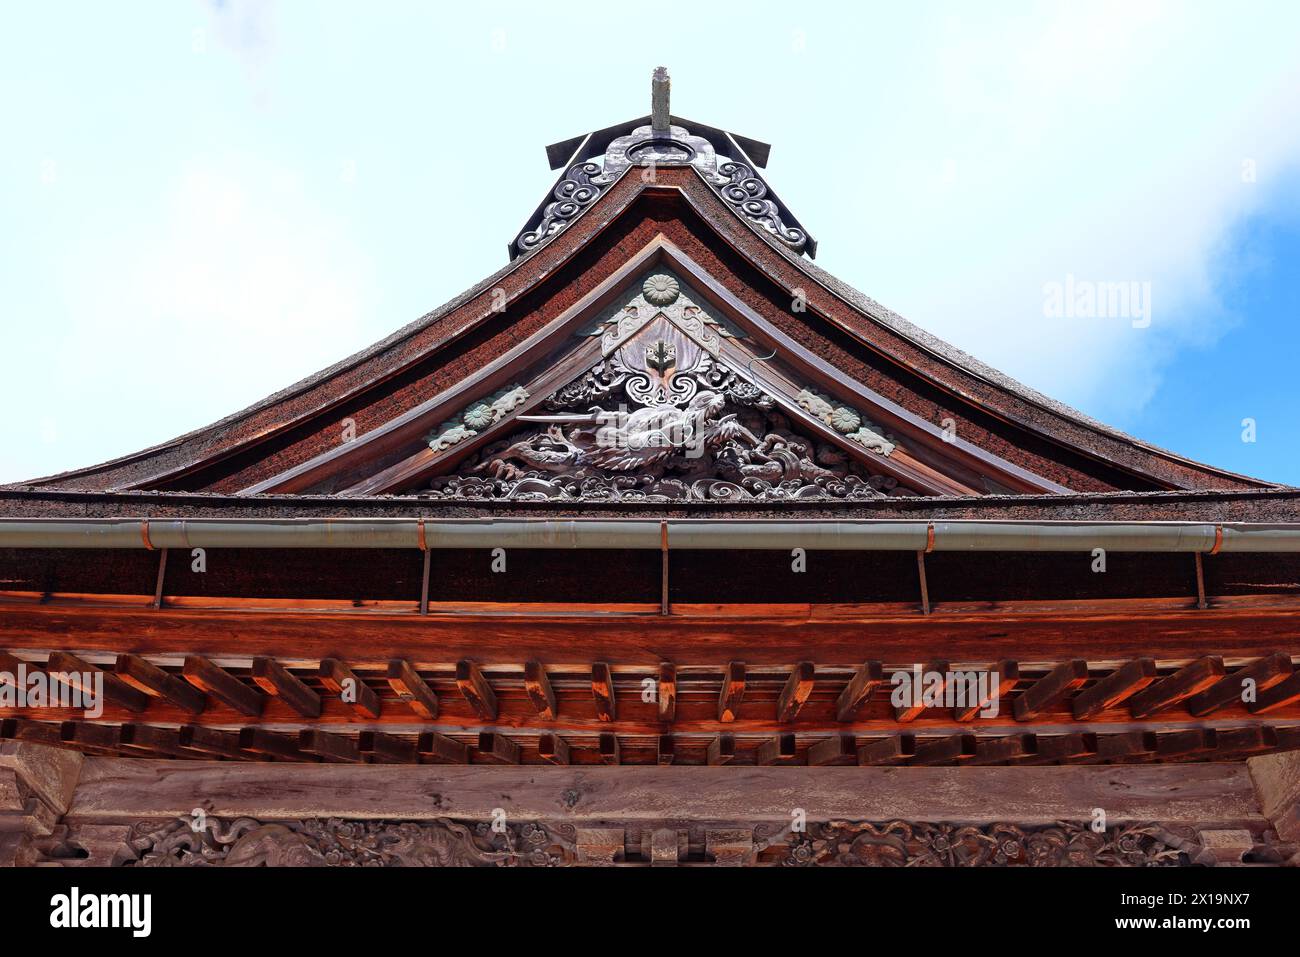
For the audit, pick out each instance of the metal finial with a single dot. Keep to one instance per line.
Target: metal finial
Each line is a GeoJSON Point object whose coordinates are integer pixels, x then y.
{"type": "Point", "coordinates": [659, 87]}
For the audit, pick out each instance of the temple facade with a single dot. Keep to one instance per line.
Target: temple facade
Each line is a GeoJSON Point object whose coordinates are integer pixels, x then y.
{"type": "Point", "coordinates": [660, 546]}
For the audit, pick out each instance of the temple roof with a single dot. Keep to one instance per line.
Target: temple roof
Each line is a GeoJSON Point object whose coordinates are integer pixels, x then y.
{"type": "Point", "coordinates": [662, 277]}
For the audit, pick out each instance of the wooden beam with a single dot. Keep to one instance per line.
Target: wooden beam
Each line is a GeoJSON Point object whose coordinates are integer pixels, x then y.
{"type": "Point", "coordinates": [733, 691]}
{"type": "Point", "coordinates": [410, 687]}
{"type": "Point", "coordinates": [339, 679]}
{"type": "Point", "coordinates": [538, 687]}
{"type": "Point", "coordinates": [387, 748]}
{"type": "Point", "coordinates": [1063, 747]}
{"type": "Point", "coordinates": [602, 689]}
{"type": "Point", "coordinates": [666, 750]}
{"type": "Point", "coordinates": [222, 685]}
{"type": "Point", "coordinates": [1009, 747]}
{"type": "Point", "coordinates": [953, 747]}
{"type": "Point", "coordinates": [1230, 689]}
{"type": "Point", "coordinates": [778, 749]}
{"type": "Point", "coordinates": [667, 691]}
{"type": "Point", "coordinates": [210, 741]}
{"type": "Point", "coordinates": [1125, 681]}
{"type": "Point", "coordinates": [103, 736]}
{"type": "Point", "coordinates": [1047, 690]}
{"type": "Point", "coordinates": [497, 748]}
{"type": "Point", "coordinates": [282, 747]}
{"type": "Point", "coordinates": [111, 790]}
{"type": "Point", "coordinates": [1125, 744]}
{"type": "Point", "coordinates": [275, 679]}
{"type": "Point", "coordinates": [68, 670]}
{"type": "Point", "coordinates": [440, 749]}
{"type": "Point", "coordinates": [722, 750]}
{"type": "Point", "coordinates": [337, 748]}
{"type": "Point", "coordinates": [553, 749]}
{"type": "Point", "coordinates": [1175, 744]}
{"type": "Point", "coordinates": [838, 749]}
{"type": "Point", "coordinates": [858, 691]}
{"type": "Point", "coordinates": [158, 742]}
{"type": "Point", "coordinates": [1182, 684]}
{"type": "Point", "coordinates": [1285, 692]}
{"type": "Point", "coordinates": [895, 749]}
{"type": "Point", "coordinates": [912, 710]}
{"type": "Point", "coordinates": [796, 691]}
{"type": "Point", "coordinates": [152, 680]}
{"type": "Point", "coordinates": [1003, 678]}
{"type": "Point", "coordinates": [476, 690]}
{"type": "Point", "coordinates": [609, 749]}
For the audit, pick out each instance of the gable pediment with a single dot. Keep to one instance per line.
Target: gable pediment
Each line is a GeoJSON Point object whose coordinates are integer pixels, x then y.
{"type": "Point", "coordinates": [661, 353]}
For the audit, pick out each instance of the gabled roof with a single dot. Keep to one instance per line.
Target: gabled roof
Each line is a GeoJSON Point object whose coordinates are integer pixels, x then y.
{"type": "Point", "coordinates": [406, 416]}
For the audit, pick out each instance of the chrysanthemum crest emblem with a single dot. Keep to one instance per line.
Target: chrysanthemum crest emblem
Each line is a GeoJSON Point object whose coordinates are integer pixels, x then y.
{"type": "Point", "coordinates": [661, 289]}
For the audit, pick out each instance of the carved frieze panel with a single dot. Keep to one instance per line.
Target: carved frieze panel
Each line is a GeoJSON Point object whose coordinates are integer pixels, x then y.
{"type": "Point", "coordinates": [331, 842]}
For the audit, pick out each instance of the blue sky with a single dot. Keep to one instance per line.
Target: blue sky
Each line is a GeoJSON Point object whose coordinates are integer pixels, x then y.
{"type": "Point", "coordinates": [201, 202]}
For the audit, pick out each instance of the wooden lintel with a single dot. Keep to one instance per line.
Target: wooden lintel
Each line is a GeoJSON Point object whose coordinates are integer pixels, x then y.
{"type": "Point", "coordinates": [796, 691]}
{"type": "Point", "coordinates": [276, 680]}
{"type": "Point", "coordinates": [538, 687]}
{"type": "Point", "coordinates": [552, 748]}
{"type": "Point", "coordinates": [1181, 685]}
{"type": "Point", "coordinates": [340, 680]}
{"type": "Point", "coordinates": [223, 686]}
{"type": "Point", "coordinates": [733, 691]}
{"type": "Point", "coordinates": [476, 690]}
{"type": "Point", "coordinates": [1124, 682]}
{"type": "Point", "coordinates": [410, 687]}
{"type": "Point", "coordinates": [148, 678]}
{"type": "Point", "coordinates": [602, 690]}
{"type": "Point", "coordinates": [858, 691]}
{"type": "Point", "coordinates": [1050, 688]}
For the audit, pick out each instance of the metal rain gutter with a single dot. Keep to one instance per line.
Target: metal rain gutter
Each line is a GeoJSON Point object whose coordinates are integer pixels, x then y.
{"type": "Point", "coordinates": [865, 535]}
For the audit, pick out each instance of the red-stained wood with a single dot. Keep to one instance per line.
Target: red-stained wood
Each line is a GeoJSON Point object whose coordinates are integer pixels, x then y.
{"type": "Point", "coordinates": [1054, 748]}
{"type": "Point", "coordinates": [858, 691]}
{"type": "Point", "coordinates": [71, 671]}
{"type": "Point", "coordinates": [282, 747]}
{"type": "Point", "coordinates": [954, 747]}
{"type": "Point", "coordinates": [1003, 678]}
{"type": "Point", "coordinates": [1280, 695]}
{"type": "Point", "coordinates": [105, 737]}
{"type": "Point", "coordinates": [222, 744]}
{"type": "Point", "coordinates": [149, 679]}
{"type": "Point", "coordinates": [339, 679]}
{"type": "Point", "coordinates": [1230, 689]}
{"type": "Point", "coordinates": [476, 690]}
{"type": "Point", "coordinates": [1010, 747]}
{"type": "Point", "coordinates": [602, 690]}
{"type": "Point", "coordinates": [1120, 684]}
{"type": "Point", "coordinates": [222, 685]}
{"type": "Point", "coordinates": [796, 691]}
{"type": "Point", "coordinates": [335, 748]}
{"type": "Point", "coordinates": [384, 748]}
{"type": "Point", "coordinates": [733, 691]}
{"type": "Point", "coordinates": [666, 750]}
{"type": "Point", "coordinates": [276, 680]}
{"type": "Point", "coordinates": [1181, 685]}
{"type": "Point", "coordinates": [1044, 692]}
{"type": "Point", "coordinates": [933, 681]}
{"type": "Point", "coordinates": [410, 687]}
{"type": "Point", "coordinates": [539, 690]}
{"type": "Point", "coordinates": [153, 742]}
